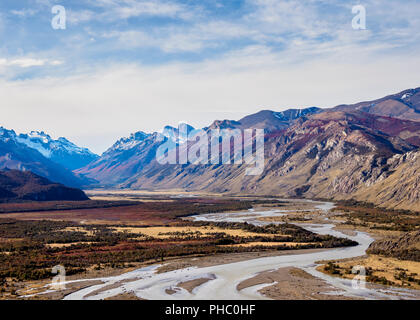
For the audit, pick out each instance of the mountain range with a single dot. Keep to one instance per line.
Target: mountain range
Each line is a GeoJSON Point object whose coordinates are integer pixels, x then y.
{"type": "Point", "coordinates": [367, 151]}
{"type": "Point", "coordinates": [39, 153]}
{"type": "Point", "coordinates": [403, 105]}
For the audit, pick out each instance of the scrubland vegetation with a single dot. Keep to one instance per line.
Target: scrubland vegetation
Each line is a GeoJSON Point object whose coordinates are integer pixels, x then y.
{"type": "Point", "coordinates": [30, 248]}
{"type": "Point", "coordinates": [365, 215]}
{"type": "Point", "coordinates": [378, 270]}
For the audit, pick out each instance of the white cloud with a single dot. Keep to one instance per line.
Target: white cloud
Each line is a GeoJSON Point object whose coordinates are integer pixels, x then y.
{"type": "Point", "coordinates": [289, 24]}
{"type": "Point", "coordinates": [56, 62]}
{"type": "Point", "coordinates": [152, 8]}
{"type": "Point", "coordinates": [24, 12]}
{"type": "Point", "coordinates": [77, 17]}
{"type": "Point", "coordinates": [22, 62]}
{"type": "Point", "coordinates": [28, 62]}
{"type": "Point", "coordinates": [166, 42]}
{"type": "Point", "coordinates": [185, 38]}
{"type": "Point", "coordinates": [125, 9]}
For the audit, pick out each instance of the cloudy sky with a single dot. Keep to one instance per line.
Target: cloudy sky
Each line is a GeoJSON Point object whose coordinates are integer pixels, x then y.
{"type": "Point", "coordinates": [121, 66]}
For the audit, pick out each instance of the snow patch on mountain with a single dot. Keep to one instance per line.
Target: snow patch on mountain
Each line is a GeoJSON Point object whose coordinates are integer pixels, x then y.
{"type": "Point", "coordinates": [292, 114]}
{"type": "Point", "coordinates": [406, 96]}
{"type": "Point", "coordinates": [37, 145]}
{"type": "Point", "coordinates": [128, 143]}
{"type": "Point", "coordinates": [180, 134]}
{"type": "Point", "coordinates": [60, 151]}
{"type": "Point", "coordinates": [45, 145]}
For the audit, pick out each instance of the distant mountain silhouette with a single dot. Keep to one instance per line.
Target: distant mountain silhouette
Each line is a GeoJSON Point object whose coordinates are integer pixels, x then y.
{"type": "Point", "coordinates": [18, 185]}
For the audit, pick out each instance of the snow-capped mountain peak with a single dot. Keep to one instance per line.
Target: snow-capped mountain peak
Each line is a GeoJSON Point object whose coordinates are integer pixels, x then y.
{"type": "Point", "coordinates": [38, 141]}
{"type": "Point", "coordinates": [128, 143]}
{"type": "Point", "coordinates": [406, 96]}
{"type": "Point", "coordinates": [61, 151]}
{"type": "Point", "coordinates": [7, 134]}
{"type": "Point", "coordinates": [43, 142]}
{"type": "Point", "coordinates": [39, 135]}
{"type": "Point", "coordinates": [180, 134]}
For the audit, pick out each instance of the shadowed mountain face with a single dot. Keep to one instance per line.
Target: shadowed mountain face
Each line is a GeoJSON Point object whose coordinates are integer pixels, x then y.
{"type": "Point", "coordinates": [123, 160]}
{"type": "Point", "coordinates": [341, 153]}
{"type": "Point", "coordinates": [18, 185]}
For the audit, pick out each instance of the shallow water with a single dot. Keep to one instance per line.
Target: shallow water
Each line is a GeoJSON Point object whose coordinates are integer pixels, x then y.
{"type": "Point", "coordinates": [147, 284]}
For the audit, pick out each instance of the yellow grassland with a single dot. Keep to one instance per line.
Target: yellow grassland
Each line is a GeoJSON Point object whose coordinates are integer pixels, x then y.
{"type": "Point", "coordinates": [169, 232]}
